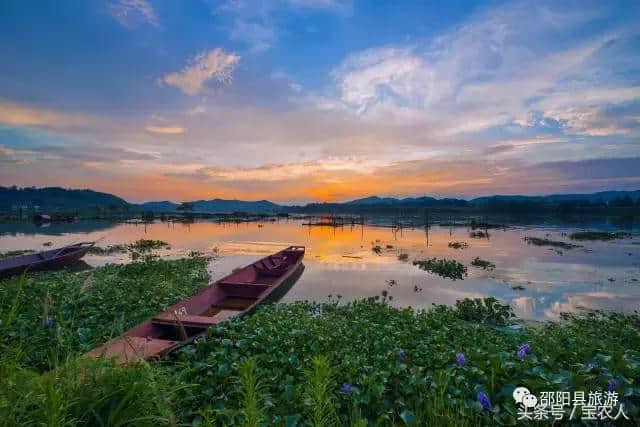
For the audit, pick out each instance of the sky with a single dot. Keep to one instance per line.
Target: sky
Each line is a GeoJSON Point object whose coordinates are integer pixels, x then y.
{"type": "Point", "coordinates": [320, 100]}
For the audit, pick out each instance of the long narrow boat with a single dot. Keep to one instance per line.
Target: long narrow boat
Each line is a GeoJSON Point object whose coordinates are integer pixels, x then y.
{"type": "Point", "coordinates": [233, 295]}
{"type": "Point", "coordinates": [51, 259]}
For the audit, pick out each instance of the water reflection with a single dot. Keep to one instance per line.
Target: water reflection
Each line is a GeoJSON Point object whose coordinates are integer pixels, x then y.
{"type": "Point", "coordinates": [340, 261]}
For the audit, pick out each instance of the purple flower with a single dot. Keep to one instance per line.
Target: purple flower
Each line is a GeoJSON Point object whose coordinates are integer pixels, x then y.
{"type": "Point", "coordinates": [483, 399]}
{"type": "Point", "coordinates": [49, 323]}
{"type": "Point", "coordinates": [346, 388]}
{"type": "Point", "coordinates": [522, 354]}
{"type": "Point", "coordinates": [525, 348]}
{"type": "Point", "coordinates": [613, 384]}
{"type": "Point", "coordinates": [461, 359]}
{"type": "Point", "coordinates": [401, 354]}
{"type": "Point", "coordinates": [592, 365]}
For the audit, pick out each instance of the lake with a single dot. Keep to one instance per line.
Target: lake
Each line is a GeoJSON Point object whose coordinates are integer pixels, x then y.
{"type": "Point", "coordinates": [539, 282]}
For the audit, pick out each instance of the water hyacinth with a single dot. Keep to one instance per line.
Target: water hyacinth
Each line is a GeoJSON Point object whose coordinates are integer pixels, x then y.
{"type": "Point", "coordinates": [461, 359]}
{"type": "Point", "coordinates": [346, 388]}
{"type": "Point", "coordinates": [483, 399]}
{"type": "Point", "coordinates": [523, 351]}
{"type": "Point", "coordinates": [591, 365]}
{"type": "Point", "coordinates": [613, 384]}
{"type": "Point", "coordinates": [401, 354]}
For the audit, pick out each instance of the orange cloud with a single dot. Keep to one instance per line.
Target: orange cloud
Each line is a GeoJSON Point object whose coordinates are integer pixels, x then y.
{"type": "Point", "coordinates": [166, 130]}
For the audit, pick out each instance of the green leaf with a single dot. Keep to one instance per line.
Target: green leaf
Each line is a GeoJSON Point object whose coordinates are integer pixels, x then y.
{"type": "Point", "coordinates": [408, 417]}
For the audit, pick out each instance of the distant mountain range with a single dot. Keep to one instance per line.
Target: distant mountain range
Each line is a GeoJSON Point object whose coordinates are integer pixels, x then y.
{"type": "Point", "coordinates": [56, 199]}
{"type": "Point", "coordinates": [215, 205]}
{"type": "Point", "coordinates": [602, 196]}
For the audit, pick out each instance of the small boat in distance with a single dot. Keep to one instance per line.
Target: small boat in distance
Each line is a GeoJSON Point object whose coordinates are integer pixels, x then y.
{"type": "Point", "coordinates": [46, 260]}
{"type": "Point", "coordinates": [233, 295]}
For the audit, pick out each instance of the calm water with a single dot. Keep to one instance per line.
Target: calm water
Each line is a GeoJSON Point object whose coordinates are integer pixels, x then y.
{"type": "Point", "coordinates": [339, 261]}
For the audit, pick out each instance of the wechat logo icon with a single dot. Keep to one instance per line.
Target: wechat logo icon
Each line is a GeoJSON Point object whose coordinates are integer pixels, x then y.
{"type": "Point", "coordinates": [523, 397]}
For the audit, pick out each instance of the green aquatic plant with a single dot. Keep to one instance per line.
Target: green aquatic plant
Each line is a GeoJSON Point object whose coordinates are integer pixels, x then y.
{"type": "Point", "coordinates": [137, 249]}
{"type": "Point", "coordinates": [85, 309]}
{"type": "Point", "coordinates": [598, 235]}
{"type": "Point", "coordinates": [145, 245]}
{"type": "Point", "coordinates": [10, 254]}
{"type": "Point", "coordinates": [483, 263]}
{"type": "Point", "coordinates": [539, 241]}
{"type": "Point", "coordinates": [484, 225]}
{"type": "Point", "coordinates": [486, 310]}
{"type": "Point", "coordinates": [458, 245]}
{"type": "Point", "coordinates": [364, 362]}
{"type": "Point", "coordinates": [443, 267]}
{"type": "Point", "coordinates": [109, 250]}
{"type": "Point", "coordinates": [391, 366]}
{"type": "Point", "coordinates": [479, 234]}
{"type": "Point", "coordinates": [404, 257]}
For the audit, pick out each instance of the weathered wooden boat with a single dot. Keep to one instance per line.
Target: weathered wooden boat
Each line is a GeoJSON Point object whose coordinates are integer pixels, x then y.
{"type": "Point", "coordinates": [234, 295]}
{"type": "Point", "coordinates": [46, 260]}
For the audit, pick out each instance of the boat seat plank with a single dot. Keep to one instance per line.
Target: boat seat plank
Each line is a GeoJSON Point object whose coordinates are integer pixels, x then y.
{"type": "Point", "coordinates": [223, 315]}
{"type": "Point", "coordinates": [127, 349]}
{"type": "Point", "coordinates": [186, 320]}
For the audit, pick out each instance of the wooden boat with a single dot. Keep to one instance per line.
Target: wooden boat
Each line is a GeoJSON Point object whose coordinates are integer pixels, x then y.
{"type": "Point", "coordinates": [51, 259]}
{"type": "Point", "coordinates": [233, 295]}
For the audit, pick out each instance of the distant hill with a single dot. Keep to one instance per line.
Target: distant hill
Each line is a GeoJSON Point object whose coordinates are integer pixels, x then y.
{"type": "Point", "coordinates": [600, 197]}
{"type": "Point", "coordinates": [228, 206]}
{"type": "Point", "coordinates": [375, 204]}
{"type": "Point", "coordinates": [54, 199]}
{"type": "Point", "coordinates": [164, 206]}
{"type": "Point", "coordinates": [213, 206]}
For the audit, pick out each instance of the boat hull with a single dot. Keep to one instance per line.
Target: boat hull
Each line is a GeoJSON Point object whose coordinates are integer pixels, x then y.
{"type": "Point", "coordinates": [232, 296]}
{"type": "Point", "coordinates": [46, 260]}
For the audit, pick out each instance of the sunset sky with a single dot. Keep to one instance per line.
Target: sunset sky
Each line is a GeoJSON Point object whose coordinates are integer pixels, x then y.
{"type": "Point", "coordinates": [319, 100]}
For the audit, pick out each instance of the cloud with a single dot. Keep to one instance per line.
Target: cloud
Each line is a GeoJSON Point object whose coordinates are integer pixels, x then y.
{"type": "Point", "coordinates": [129, 13]}
{"type": "Point", "coordinates": [213, 65]}
{"type": "Point", "coordinates": [495, 69]}
{"type": "Point", "coordinates": [15, 114]}
{"type": "Point", "coordinates": [255, 23]}
{"type": "Point", "coordinates": [511, 145]}
{"type": "Point", "coordinates": [165, 130]}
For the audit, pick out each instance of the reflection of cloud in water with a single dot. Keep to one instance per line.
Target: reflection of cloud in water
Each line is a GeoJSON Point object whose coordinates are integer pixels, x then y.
{"type": "Point", "coordinates": [607, 301]}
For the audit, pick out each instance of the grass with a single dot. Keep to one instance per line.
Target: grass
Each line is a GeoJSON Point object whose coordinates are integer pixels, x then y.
{"type": "Point", "coordinates": [10, 254]}
{"type": "Point", "coordinates": [458, 245]}
{"type": "Point", "coordinates": [84, 392]}
{"type": "Point", "coordinates": [443, 267]}
{"type": "Point", "coordinates": [483, 263]}
{"type": "Point", "coordinates": [538, 241]}
{"type": "Point", "coordinates": [598, 235]}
